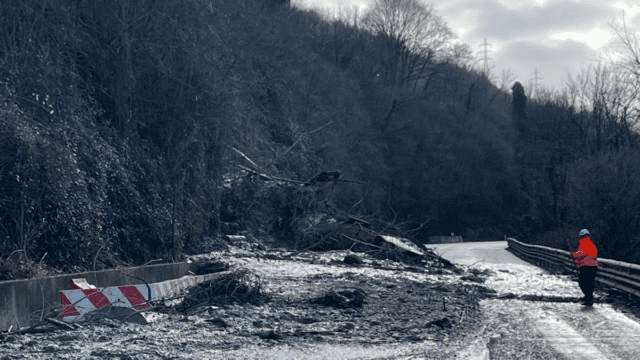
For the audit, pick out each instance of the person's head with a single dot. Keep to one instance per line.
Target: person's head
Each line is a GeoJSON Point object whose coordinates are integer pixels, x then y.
{"type": "Point", "coordinates": [583, 234]}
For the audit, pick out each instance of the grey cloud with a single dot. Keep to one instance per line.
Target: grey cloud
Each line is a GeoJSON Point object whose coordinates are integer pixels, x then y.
{"type": "Point", "coordinates": [553, 62]}
{"type": "Point", "coordinates": [495, 21]}
{"type": "Point", "coordinates": [527, 51]}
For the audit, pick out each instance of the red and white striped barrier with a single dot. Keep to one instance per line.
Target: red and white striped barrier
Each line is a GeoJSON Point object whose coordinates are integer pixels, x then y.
{"type": "Point", "coordinates": [84, 297]}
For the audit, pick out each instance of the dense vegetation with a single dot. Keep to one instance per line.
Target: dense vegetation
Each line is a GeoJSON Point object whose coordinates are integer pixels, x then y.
{"type": "Point", "coordinates": [122, 121]}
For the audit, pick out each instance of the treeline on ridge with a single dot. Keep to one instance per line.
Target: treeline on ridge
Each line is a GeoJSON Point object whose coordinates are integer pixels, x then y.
{"type": "Point", "coordinates": [121, 123]}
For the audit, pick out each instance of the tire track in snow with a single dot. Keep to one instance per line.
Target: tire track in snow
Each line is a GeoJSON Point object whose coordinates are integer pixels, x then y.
{"type": "Point", "coordinates": [513, 332]}
{"type": "Point", "coordinates": [565, 338]}
{"type": "Point", "coordinates": [614, 333]}
{"type": "Point", "coordinates": [537, 330]}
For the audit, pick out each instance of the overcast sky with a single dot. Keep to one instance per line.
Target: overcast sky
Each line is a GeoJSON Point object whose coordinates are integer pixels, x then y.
{"type": "Point", "coordinates": [556, 37]}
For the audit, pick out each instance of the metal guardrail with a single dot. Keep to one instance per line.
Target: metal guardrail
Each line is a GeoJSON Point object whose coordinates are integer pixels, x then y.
{"type": "Point", "coordinates": [616, 274]}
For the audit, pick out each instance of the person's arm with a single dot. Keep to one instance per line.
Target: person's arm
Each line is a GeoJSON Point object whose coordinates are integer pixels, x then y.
{"type": "Point", "coordinates": [579, 254]}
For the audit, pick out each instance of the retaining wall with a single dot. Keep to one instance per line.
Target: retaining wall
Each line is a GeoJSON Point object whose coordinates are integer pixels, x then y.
{"type": "Point", "coordinates": [22, 302]}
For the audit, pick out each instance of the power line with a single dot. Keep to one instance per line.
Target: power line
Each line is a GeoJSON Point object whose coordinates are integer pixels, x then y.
{"type": "Point", "coordinates": [535, 81]}
{"type": "Point", "coordinates": [486, 57]}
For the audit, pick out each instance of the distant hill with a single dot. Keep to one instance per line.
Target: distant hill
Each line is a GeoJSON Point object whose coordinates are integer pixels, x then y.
{"type": "Point", "coordinates": [124, 123]}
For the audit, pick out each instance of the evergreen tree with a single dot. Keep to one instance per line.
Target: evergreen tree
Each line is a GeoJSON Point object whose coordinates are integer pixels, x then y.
{"type": "Point", "coordinates": [519, 102]}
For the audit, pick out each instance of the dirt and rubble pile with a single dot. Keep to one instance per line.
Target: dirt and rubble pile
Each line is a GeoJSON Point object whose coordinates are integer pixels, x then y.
{"type": "Point", "coordinates": [240, 286]}
{"type": "Point", "coordinates": [284, 297]}
{"type": "Point", "coordinates": [342, 299]}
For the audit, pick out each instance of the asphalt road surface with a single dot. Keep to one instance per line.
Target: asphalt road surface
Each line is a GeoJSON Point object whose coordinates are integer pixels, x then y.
{"type": "Point", "coordinates": [540, 329]}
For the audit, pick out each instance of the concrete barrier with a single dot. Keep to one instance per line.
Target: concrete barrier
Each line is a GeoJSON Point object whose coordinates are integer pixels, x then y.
{"type": "Point", "coordinates": [85, 298]}
{"type": "Point", "coordinates": [23, 302]}
{"type": "Point", "coordinates": [444, 239]}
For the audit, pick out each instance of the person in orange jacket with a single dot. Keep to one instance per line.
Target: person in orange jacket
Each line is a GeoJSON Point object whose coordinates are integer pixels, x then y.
{"type": "Point", "coordinates": [586, 258]}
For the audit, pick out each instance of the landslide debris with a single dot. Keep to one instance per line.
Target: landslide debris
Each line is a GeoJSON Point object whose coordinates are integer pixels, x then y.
{"type": "Point", "coordinates": [287, 297]}
{"type": "Point", "coordinates": [240, 286]}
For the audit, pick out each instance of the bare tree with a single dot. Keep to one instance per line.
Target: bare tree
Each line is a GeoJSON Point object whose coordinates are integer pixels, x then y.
{"type": "Point", "coordinates": [630, 77]}
{"type": "Point", "coordinates": [605, 101]}
{"type": "Point", "coordinates": [415, 37]}
{"type": "Point", "coordinates": [630, 46]}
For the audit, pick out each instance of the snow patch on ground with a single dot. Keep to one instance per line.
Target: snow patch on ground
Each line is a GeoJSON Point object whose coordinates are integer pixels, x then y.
{"type": "Point", "coordinates": [538, 329]}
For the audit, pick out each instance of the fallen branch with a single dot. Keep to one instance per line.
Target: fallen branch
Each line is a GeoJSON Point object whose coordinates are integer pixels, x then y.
{"type": "Point", "coordinates": [246, 159]}
{"type": "Point", "coordinates": [297, 140]}
{"type": "Point", "coordinates": [60, 323]}
{"type": "Point", "coordinates": [317, 243]}
{"type": "Point", "coordinates": [30, 330]}
{"type": "Point", "coordinates": [360, 201]}
{"type": "Point", "coordinates": [361, 242]}
{"type": "Point", "coordinates": [268, 177]}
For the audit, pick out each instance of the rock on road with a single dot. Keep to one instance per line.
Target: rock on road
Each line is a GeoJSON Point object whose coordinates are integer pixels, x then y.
{"type": "Point", "coordinates": [523, 329]}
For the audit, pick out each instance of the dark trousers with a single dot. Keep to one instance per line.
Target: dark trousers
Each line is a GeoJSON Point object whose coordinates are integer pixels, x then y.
{"type": "Point", "coordinates": [587, 280]}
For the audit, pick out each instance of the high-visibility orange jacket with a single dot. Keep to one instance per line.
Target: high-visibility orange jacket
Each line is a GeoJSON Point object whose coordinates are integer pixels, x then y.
{"type": "Point", "coordinates": [587, 253]}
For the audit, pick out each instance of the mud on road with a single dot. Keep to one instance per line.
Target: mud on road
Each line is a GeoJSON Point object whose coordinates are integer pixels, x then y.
{"type": "Point", "coordinates": [310, 310]}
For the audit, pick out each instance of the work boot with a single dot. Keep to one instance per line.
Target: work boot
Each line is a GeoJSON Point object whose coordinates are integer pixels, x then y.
{"type": "Point", "coordinates": [587, 302]}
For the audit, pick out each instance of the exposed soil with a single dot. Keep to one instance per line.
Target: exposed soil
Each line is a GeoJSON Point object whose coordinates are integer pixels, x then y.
{"type": "Point", "coordinates": [374, 308]}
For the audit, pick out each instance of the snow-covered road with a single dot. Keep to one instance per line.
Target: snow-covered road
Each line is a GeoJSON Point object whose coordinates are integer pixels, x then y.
{"type": "Point", "coordinates": [523, 329]}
